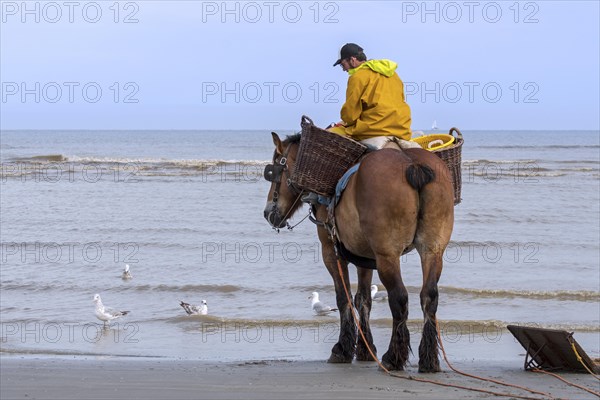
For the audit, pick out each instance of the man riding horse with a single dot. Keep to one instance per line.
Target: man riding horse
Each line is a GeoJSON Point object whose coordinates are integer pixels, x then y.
{"type": "Point", "coordinates": [396, 201]}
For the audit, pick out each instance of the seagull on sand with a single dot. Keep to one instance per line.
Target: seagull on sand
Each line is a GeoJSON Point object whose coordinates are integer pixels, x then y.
{"type": "Point", "coordinates": [190, 309]}
{"type": "Point", "coordinates": [126, 274]}
{"type": "Point", "coordinates": [377, 295]}
{"type": "Point", "coordinates": [318, 307]}
{"type": "Point", "coordinates": [106, 314]}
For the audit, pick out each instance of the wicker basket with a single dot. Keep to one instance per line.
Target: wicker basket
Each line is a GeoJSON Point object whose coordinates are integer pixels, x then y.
{"type": "Point", "coordinates": [452, 157]}
{"type": "Point", "coordinates": [323, 157]}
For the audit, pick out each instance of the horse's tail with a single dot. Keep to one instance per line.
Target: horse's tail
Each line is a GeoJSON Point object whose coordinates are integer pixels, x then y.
{"type": "Point", "coordinates": [419, 175]}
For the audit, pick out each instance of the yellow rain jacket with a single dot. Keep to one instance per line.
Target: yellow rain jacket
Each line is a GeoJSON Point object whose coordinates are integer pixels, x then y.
{"type": "Point", "coordinates": [375, 104]}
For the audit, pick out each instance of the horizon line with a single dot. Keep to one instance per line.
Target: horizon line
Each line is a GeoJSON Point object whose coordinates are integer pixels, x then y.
{"type": "Point", "coordinates": [428, 131]}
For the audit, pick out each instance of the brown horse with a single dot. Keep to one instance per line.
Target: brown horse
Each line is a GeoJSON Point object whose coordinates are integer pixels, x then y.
{"type": "Point", "coordinates": [396, 201]}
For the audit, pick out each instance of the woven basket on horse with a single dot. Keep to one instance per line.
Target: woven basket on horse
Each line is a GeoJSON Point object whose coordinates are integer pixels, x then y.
{"type": "Point", "coordinates": [450, 154]}
{"type": "Point", "coordinates": [323, 157]}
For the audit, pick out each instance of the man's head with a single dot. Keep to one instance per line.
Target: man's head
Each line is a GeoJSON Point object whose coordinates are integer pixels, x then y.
{"type": "Point", "coordinates": [351, 55]}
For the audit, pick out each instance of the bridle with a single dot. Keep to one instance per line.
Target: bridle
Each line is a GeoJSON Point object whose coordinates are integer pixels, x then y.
{"type": "Point", "coordinates": [273, 173]}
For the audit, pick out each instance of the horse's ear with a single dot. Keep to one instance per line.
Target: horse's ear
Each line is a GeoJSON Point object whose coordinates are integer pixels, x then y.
{"type": "Point", "coordinates": [277, 143]}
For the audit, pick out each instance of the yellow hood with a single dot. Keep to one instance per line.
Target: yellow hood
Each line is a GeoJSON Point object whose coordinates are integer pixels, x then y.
{"type": "Point", "coordinates": [383, 67]}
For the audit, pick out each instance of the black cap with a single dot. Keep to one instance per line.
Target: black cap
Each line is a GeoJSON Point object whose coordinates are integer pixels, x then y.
{"type": "Point", "coordinates": [348, 50]}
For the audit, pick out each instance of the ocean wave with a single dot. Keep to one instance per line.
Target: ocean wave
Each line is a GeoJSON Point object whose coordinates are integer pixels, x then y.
{"type": "Point", "coordinates": [56, 167]}
{"type": "Point", "coordinates": [327, 323]}
{"type": "Point", "coordinates": [486, 161]}
{"type": "Point", "coordinates": [188, 163]}
{"type": "Point", "coordinates": [332, 322]}
{"type": "Point", "coordinates": [526, 169]}
{"type": "Point", "coordinates": [576, 295]}
{"type": "Point", "coordinates": [60, 286]}
{"type": "Point", "coordinates": [541, 147]}
{"type": "Point", "coordinates": [207, 164]}
{"type": "Point", "coordinates": [581, 169]}
{"type": "Point", "coordinates": [586, 296]}
{"type": "Point", "coordinates": [583, 296]}
{"type": "Point", "coordinates": [64, 352]}
{"type": "Point", "coordinates": [530, 175]}
{"type": "Point", "coordinates": [45, 158]}
{"type": "Point", "coordinates": [192, 288]}
{"type": "Point", "coordinates": [35, 287]}
{"type": "Point", "coordinates": [530, 163]}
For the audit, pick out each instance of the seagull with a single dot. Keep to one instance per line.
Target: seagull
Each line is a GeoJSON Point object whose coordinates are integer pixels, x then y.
{"type": "Point", "coordinates": [190, 309]}
{"type": "Point", "coordinates": [376, 295]}
{"type": "Point", "coordinates": [318, 307]}
{"type": "Point", "coordinates": [106, 314]}
{"type": "Point", "coordinates": [126, 274]}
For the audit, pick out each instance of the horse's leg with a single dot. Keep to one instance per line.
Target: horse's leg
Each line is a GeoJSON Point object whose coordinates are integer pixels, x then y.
{"type": "Point", "coordinates": [362, 302]}
{"type": "Point", "coordinates": [429, 347]}
{"type": "Point", "coordinates": [343, 350]}
{"type": "Point", "coordinates": [431, 240]}
{"type": "Point", "coordinates": [432, 237]}
{"type": "Point", "coordinates": [389, 273]}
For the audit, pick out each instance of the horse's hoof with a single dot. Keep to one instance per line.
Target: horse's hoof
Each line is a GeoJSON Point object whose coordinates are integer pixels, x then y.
{"type": "Point", "coordinates": [339, 359]}
{"type": "Point", "coordinates": [428, 369]}
{"type": "Point", "coordinates": [363, 353]}
{"type": "Point", "coordinates": [388, 363]}
{"type": "Point", "coordinates": [364, 356]}
{"type": "Point", "coordinates": [389, 367]}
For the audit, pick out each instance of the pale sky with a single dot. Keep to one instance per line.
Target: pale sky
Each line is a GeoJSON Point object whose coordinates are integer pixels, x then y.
{"type": "Point", "coordinates": [263, 64]}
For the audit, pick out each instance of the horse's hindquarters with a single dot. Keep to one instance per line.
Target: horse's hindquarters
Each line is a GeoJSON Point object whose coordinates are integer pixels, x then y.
{"type": "Point", "coordinates": [378, 210]}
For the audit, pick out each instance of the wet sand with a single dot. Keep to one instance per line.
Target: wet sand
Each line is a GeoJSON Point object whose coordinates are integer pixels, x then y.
{"type": "Point", "coordinates": [32, 377]}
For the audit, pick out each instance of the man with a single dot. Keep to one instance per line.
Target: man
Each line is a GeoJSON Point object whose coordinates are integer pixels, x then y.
{"type": "Point", "coordinates": [375, 104]}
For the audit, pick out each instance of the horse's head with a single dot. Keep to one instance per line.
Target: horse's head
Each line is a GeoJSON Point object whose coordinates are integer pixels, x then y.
{"type": "Point", "coordinates": [283, 199]}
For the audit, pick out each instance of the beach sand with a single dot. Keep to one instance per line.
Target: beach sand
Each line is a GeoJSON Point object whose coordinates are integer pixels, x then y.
{"type": "Point", "coordinates": [32, 377]}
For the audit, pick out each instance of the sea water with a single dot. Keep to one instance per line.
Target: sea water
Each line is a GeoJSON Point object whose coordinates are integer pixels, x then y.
{"type": "Point", "coordinates": [185, 210]}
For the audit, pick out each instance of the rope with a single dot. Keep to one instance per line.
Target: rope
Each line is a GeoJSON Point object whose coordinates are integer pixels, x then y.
{"type": "Point", "coordinates": [567, 382]}
{"type": "Point", "coordinates": [356, 321]}
{"type": "Point", "coordinates": [481, 378]}
{"type": "Point", "coordinates": [581, 360]}
{"type": "Point", "coordinates": [286, 216]}
{"type": "Point", "coordinates": [413, 378]}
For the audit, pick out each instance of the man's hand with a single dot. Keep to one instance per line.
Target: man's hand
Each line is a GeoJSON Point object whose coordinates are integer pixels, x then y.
{"type": "Point", "coordinates": [336, 124]}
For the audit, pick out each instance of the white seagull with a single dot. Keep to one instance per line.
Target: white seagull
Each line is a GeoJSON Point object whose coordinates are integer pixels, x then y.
{"type": "Point", "coordinates": [376, 295]}
{"type": "Point", "coordinates": [106, 314]}
{"type": "Point", "coordinates": [190, 309]}
{"type": "Point", "coordinates": [318, 307]}
{"type": "Point", "coordinates": [126, 274]}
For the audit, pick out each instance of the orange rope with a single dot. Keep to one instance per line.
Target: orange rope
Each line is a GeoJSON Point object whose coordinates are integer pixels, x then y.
{"type": "Point", "coordinates": [355, 316]}
{"type": "Point", "coordinates": [409, 377]}
{"type": "Point", "coordinates": [478, 377]}
{"type": "Point", "coordinates": [567, 382]}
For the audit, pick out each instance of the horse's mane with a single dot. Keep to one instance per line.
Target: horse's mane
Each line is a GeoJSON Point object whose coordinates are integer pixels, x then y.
{"type": "Point", "coordinates": [291, 139]}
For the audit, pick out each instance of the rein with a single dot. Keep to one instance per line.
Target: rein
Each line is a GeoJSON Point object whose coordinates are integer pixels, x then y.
{"type": "Point", "coordinates": [273, 173]}
{"type": "Point", "coordinates": [291, 227]}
